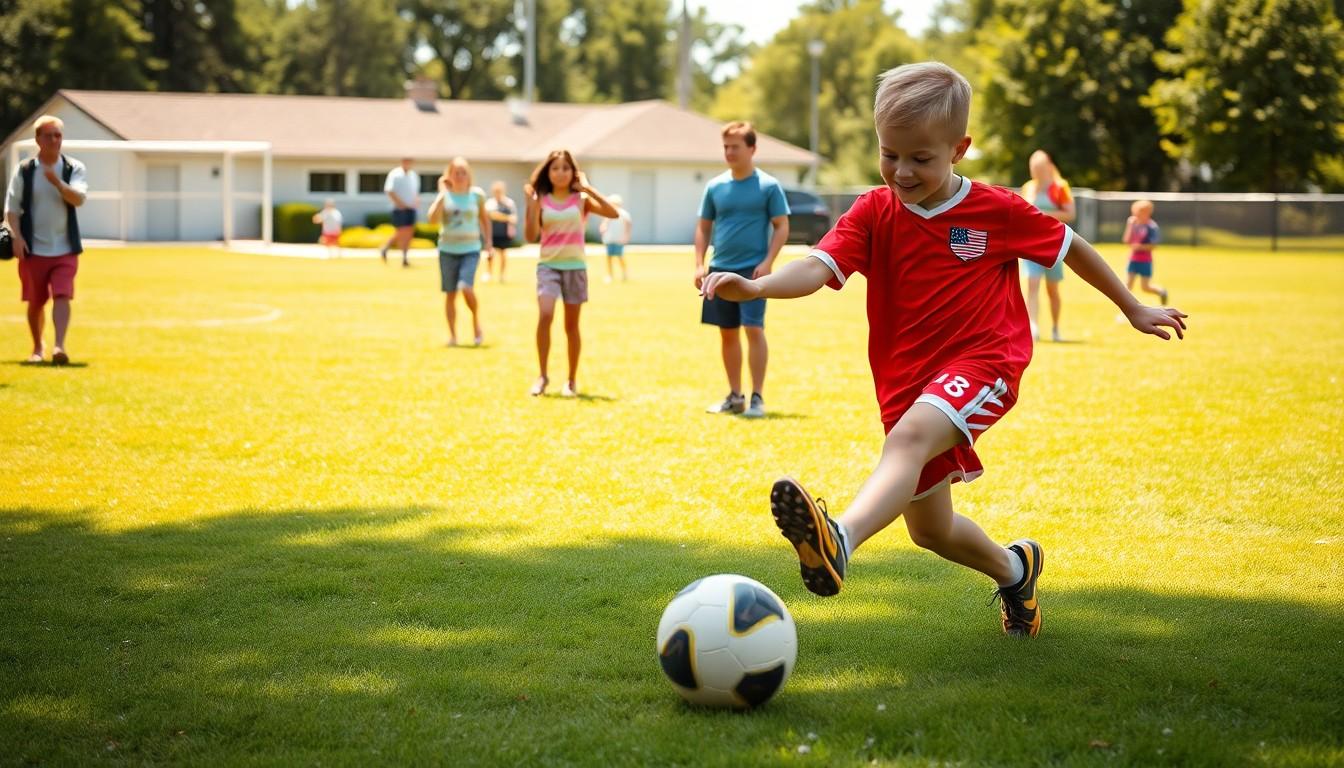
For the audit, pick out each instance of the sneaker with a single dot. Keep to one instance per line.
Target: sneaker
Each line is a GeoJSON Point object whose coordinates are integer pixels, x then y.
{"type": "Point", "coordinates": [811, 531]}
{"type": "Point", "coordinates": [757, 408]}
{"type": "Point", "coordinates": [1055, 337]}
{"type": "Point", "coordinates": [59, 357]}
{"type": "Point", "coordinates": [570, 390]}
{"type": "Point", "coordinates": [1162, 296]}
{"type": "Point", "coordinates": [733, 403]}
{"type": "Point", "coordinates": [1021, 613]}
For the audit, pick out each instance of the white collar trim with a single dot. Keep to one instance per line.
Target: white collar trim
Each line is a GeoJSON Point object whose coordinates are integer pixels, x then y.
{"type": "Point", "coordinates": [946, 205]}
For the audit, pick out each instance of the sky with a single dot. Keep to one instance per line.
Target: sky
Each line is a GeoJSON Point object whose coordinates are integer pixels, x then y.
{"type": "Point", "coordinates": [761, 19]}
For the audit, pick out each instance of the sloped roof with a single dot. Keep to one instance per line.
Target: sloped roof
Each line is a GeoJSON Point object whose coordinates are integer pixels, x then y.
{"type": "Point", "coordinates": [483, 131]}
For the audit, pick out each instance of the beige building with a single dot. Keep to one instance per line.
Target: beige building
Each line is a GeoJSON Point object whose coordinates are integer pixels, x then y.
{"type": "Point", "coordinates": [162, 162]}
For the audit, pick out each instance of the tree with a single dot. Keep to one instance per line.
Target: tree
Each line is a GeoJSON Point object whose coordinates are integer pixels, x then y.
{"type": "Point", "coordinates": [199, 45]}
{"type": "Point", "coordinates": [861, 41]}
{"type": "Point", "coordinates": [46, 46]}
{"type": "Point", "coordinates": [1256, 91]}
{"type": "Point", "coordinates": [476, 45]}
{"type": "Point", "coordinates": [1070, 77]}
{"type": "Point", "coordinates": [625, 49]}
{"type": "Point", "coordinates": [338, 48]}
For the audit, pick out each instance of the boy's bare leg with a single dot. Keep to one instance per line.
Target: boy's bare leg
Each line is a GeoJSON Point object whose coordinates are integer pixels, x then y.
{"type": "Point", "coordinates": [731, 344]}
{"type": "Point", "coordinates": [922, 433]}
{"type": "Point", "coordinates": [758, 355]}
{"type": "Point", "coordinates": [934, 526]}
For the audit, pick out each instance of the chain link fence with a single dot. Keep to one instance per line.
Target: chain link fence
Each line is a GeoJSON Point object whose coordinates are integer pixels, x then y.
{"type": "Point", "coordinates": [1229, 220]}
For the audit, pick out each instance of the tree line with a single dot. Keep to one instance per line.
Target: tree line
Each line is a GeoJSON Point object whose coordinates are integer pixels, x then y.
{"type": "Point", "coordinates": [1132, 94]}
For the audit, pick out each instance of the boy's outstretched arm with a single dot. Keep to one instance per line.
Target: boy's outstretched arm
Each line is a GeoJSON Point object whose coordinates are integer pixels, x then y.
{"type": "Point", "coordinates": [797, 278]}
{"type": "Point", "coordinates": [1084, 260]}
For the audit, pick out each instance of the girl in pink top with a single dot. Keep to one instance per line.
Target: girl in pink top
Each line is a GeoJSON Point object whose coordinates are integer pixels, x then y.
{"type": "Point", "coordinates": [559, 200]}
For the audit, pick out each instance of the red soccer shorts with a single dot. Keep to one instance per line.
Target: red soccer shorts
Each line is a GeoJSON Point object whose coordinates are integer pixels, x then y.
{"type": "Point", "coordinates": [973, 403]}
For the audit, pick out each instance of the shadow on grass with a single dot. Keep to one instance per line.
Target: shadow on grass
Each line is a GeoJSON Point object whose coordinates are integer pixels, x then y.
{"type": "Point", "coordinates": [47, 364]}
{"type": "Point", "coordinates": [396, 635]}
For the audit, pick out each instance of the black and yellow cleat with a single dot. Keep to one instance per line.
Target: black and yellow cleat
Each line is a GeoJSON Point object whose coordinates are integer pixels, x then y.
{"type": "Point", "coordinates": [1018, 604]}
{"type": "Point", "coordinates": [812, 532]}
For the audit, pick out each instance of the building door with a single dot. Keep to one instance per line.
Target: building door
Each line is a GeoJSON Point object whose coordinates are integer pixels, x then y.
{"type": "Point", "coordinates": [161, 213]}
{"type": "Point", "coordinates": [643, 206]}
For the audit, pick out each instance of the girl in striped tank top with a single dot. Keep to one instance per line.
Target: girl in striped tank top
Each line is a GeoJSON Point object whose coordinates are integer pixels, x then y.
{"type": "Point", "coordinates": [559, 200]}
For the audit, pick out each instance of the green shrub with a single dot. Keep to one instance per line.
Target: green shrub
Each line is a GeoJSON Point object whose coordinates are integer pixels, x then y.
{"type": "Point", "coordinates": [364, 237]}
{"type": "Point", "coordinates": [293, 223]}
{"type": "Point", "coordinates": [423, 230]}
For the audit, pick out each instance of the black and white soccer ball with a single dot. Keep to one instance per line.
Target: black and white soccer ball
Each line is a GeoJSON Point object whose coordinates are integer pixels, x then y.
{"type": "Point", "coordinates": [727, 641]}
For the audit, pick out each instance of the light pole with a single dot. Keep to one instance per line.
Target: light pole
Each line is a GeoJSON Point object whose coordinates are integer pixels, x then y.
{"type": "Point", "coordinates": [814, 49]}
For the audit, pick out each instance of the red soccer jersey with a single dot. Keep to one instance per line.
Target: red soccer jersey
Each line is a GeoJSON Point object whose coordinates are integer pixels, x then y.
{"type": "Point", "coordinates": [942, 284]}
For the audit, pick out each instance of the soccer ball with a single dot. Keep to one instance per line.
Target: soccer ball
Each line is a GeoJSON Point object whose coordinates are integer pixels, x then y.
{"type": "Point", "coordinates": [727, 641]}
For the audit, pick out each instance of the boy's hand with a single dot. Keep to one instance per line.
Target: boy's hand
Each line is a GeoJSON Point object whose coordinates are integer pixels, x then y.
{"type": "Point", "coordinates": [1152, 319]}
{"type": "Point", "coordinates": [729, 286]}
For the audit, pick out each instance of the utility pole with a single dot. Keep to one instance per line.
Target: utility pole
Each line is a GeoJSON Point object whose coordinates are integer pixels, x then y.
{"type": "Point", "coordinates": [684, 58]}
{"type": "Point", "coordinates": [530, 54]}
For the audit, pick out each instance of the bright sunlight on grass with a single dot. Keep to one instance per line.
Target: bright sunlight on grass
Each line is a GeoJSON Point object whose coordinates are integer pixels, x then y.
{"type": "Point", "coordinates": [269, 518]}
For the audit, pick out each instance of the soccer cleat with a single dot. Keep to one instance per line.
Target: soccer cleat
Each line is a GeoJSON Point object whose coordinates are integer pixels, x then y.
{"type": "Point", "coordinates": [757, 408]}
{"type": "Point", "coordinates": [821, 557]}
{"type": "Point", "coordinates": [1021, 613]}
{"type": "Point", "coordinates": [733, 403]}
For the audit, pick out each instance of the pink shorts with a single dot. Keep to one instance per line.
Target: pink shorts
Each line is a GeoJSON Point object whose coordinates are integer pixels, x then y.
{"type": "Point", "coordinates": [43, 277]}
{"type": "Point", "coordinates": [974, 404]}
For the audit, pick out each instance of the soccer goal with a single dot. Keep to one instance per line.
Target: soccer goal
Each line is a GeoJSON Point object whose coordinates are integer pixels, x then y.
{"type": "Point", "coordinates": [172, 191]}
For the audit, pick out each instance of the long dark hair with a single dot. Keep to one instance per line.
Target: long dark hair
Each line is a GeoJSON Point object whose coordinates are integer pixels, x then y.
{"type": "Point", "coordinates": [541, 177]}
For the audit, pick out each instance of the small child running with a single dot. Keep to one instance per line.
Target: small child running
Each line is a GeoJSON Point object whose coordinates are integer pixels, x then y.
{"type": "Point", "coordinates": [948, 336]}
{"type": "Point", "coordinates": [1142, 234]}
{"type": "Point", "coordinates": [332, 222]}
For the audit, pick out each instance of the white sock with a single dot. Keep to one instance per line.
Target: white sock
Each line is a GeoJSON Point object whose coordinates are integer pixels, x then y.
{"type": "Point", "coordinates": [1019, 570]}
{"type": "Point", "coordinates": [844, 539]}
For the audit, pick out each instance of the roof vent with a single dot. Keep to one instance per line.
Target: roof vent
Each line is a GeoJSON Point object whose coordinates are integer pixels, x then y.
{"type": "Point", "coordinates": [424, 92]}
{"type": "Point", "coordinates": [517, 110]}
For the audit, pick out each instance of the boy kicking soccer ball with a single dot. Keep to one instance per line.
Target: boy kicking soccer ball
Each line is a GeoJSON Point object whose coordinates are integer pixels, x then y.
{"type": "Point", "coordinates": [948, 336]}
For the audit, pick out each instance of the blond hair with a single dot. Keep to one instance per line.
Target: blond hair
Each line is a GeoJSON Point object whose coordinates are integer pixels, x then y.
{"type": "Point", "coordinates": [741, 128]}
{"type": "Point", "coordinates": [458, 161]}
{"type": "Point", "coordinates": [44, 121]}
{"type": "Point", "coordinates": [1141, 205]}
{"type": "Point", "coordinates": [929, 93]}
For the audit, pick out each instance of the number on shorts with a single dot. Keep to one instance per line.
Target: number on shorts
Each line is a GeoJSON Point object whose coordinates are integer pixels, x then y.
{"type": "Point", "coordinates": [956, 387]}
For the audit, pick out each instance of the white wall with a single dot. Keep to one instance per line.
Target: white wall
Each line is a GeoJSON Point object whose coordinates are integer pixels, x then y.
{"type": "Point", "coordinates": [291, 183]}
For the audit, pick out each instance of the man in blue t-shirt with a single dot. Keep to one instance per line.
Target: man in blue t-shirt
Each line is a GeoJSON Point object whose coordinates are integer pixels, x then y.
{"type": "Point", "coordinates": [739, 209]}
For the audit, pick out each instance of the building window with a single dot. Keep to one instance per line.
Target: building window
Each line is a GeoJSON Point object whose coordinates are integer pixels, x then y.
{"type": "Point", "coordinates": [326, 181]}
{"type": "Point", "coordinates": [429, 183]}
{"type": "Point", "coordinates": [371, 182]}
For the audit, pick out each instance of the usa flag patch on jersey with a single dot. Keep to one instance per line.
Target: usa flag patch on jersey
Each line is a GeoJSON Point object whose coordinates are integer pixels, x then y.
{"type": "Point", "coordinates": [967, 244]}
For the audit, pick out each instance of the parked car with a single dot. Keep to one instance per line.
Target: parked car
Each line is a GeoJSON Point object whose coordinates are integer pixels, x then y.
{"type": "Point", "coordinates": [809, 218]}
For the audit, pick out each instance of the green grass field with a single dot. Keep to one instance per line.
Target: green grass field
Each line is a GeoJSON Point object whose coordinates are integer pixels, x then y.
{"type": "Point", "coordinates": [270, 519]}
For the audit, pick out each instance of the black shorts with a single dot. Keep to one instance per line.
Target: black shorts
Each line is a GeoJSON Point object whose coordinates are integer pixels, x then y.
{"type": "Point", "coordinates": [733, 314]}
{"type": "Point", "coordinates": [403, 217]}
